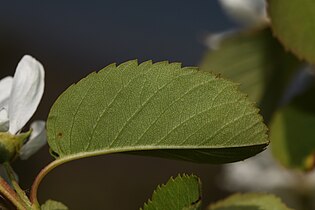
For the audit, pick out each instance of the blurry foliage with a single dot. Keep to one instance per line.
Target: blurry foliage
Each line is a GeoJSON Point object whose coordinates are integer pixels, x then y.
{"type": "Point", "coordinates": [292, 22]}
{"type": "Point", "coordinates": [250, 201]}
{"type": "Point", "coordinates": [292, 132]}
{"type": "Point", "coordinates": [267, 61]}
{"type": "Point", "coordinates": [258, 62]}
{"type": "Point", "coordinates": [265, 70]}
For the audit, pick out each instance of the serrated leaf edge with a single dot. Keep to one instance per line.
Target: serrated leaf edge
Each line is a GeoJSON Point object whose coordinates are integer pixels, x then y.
{"type": "Point", "coordinates": [235, 86]}
{"type": "Point", "coordinates": [172, 179]}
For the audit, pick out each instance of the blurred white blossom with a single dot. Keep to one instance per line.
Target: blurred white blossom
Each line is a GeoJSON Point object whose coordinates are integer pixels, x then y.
{"type": "Point", "coordinates": [249, 13]}
{"type": "Point", "coordinates": [246, 12]}
{"type": "Point", "coordinates": [263, 174]}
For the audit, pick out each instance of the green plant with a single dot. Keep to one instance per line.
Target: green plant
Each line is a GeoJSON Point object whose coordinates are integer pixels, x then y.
{"type": "Point", "coordinates": [165, 110]}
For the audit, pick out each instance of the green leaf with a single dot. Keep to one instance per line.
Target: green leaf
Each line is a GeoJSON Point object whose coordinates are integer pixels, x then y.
{"type": "Point", "coordinates": [249, 201]}
{"type": "Point", "coordinates": [53, 205]}
{"type": "Point", "coordinates": [156, 109]}
{"type": "Point", "coordinates": [257, 61]}
{"type": "Point", "coordinates": [181, 193]}
{"type": "Point", "coordinates": [292, 133]}
{"type": "Point", "coordinates": [293, 22]}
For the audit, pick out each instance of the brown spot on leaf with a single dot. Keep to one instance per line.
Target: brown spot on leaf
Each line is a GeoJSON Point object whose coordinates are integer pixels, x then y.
{"type": "Point", "coordinates": [59, 135]}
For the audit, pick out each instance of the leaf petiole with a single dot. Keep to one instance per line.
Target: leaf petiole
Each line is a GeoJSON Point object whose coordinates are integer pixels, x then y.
{"type": "Point", "coordinates": [39, 178]}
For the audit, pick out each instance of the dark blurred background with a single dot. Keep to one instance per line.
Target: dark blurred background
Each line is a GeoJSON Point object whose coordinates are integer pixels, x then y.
{"type": "Point", "coordinates": [72, 39]}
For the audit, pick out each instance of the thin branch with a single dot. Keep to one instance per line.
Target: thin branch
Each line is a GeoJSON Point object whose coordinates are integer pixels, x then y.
{"type": "Point", "coordinates": [16, 185]}
{"type": "Point", "coordinates": [9, 194]}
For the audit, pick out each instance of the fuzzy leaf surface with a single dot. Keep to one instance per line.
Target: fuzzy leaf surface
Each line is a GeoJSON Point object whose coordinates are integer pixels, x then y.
{"type": "Point", "coordinates": [158, 109]}
{"type": "Point", "coordinates": [181, 193]}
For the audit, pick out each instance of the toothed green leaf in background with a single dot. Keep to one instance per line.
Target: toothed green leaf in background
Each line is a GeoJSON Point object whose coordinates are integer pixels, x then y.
{"type": "Point", "coordinates": [292, 132]}
{"type": "Point", "coordinates": [258, 62]}
{"type": "Point", "coordinates": [293, 23]}
{"type": "Point", "coordinates": [181, 193]}
{"type": "Point", "coordinates": [250, 201]}
{"type": "Point", "coordinates": [156, 109]}
{"type": "Point", "coordinates": [53, 205]}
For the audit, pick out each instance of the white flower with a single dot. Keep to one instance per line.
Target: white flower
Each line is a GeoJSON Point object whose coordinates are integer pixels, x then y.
{"type": "Point", "coordinates": [262, 173]}
{"type": "Point", "coordinates": [19, 98]}
{"type": "Point", "coordinates": [247, 12]}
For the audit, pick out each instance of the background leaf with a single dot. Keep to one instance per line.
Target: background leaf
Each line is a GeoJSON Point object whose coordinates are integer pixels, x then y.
{"type": "Point", "coordinates": [257, 61]}
{"type": "Point", "coordinates": [293, 22]}
{"type": "Point", "coordinates": [156, 109]}
{"type": "Point", "coordinates": [181, 193]}
{"type": "Point", "coordinates": [292, 132]}
{"type": "Point", "coordinates": [249, 201]}
{"type": "Point", "coordinates": [53, 205]}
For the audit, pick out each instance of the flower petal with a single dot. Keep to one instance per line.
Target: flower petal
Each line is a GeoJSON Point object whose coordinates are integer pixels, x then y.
{"type": "Point", "coordinates": [5, 91]}
{"type": "Point", "coordinates": [248, 12]}
{"type": "Point", "coordinates": [27, 91]}
{"type": "Point", "coordinates": [36, 141]}
{"type": "Point", "coordinates": [4, 120]}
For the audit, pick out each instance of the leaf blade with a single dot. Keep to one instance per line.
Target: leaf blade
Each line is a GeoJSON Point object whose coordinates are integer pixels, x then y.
{"type": "Point", "coordinates": [180, 193]}
{"type": "Point", "coordinates": [293, 24]}
{"type": "Point", "coordinates": [249, 201]}
{"type": "Point", "coordinates": [153, 107]}
{"type": "Point", "coordinates": [258, 62]}
{"type": "Point", "coordinates": [53, 205]}
{"type": "Point", "coordinates": [292, 132]}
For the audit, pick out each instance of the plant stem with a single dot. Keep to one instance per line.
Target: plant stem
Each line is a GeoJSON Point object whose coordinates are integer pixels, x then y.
{"type": "Point", "coordinates": [9, 194]}
{"type": "Point", "coordinates": [16, 185]}
{"type": "Point", "coordinates": [39, 178]}
{"type": "Point", "coordinates": [57, 162]}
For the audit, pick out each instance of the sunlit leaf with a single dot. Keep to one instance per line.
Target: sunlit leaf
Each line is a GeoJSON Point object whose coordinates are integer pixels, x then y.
{"type": "Point", "coordinates": [257, 61]}
{"type": "Point", "coordinates": [293, 22]}
{"type": "Point", "coordinates": [250, 201]}
{"type": "Point", "coordinates": [156, 109]}
{"type": "Point", "coordinates": [292, 132]}
{"type": "Point", "coordinates": [181, 193]}
{"type": "Point", "coordinates": [53, 205]}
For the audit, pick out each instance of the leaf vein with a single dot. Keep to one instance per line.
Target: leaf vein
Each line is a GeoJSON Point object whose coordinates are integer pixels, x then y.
{"type": "Point", "coordinates": [107, 107]}
{"type": "Point", "coordinates": [145, 103]}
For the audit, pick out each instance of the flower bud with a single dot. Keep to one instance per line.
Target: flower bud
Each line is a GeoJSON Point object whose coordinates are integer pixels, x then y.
{"type": "Point", "coordinates": [10, 145]}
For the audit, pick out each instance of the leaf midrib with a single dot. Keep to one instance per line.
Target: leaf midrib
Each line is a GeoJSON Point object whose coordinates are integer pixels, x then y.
{"type": "Point", "coordinates": [141, 148]}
